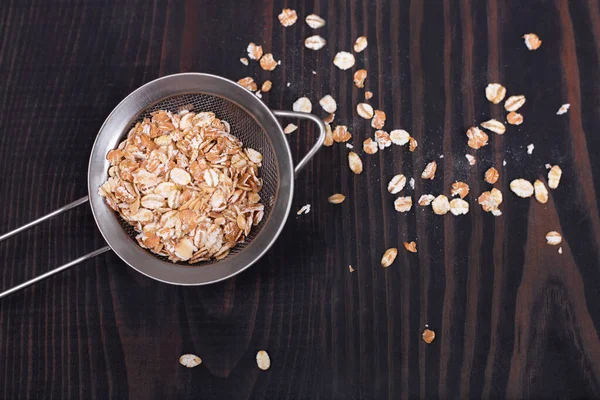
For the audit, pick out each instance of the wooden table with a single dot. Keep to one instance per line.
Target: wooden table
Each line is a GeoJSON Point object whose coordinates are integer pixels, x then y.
{"type": "Point", "coordinates": [513, 317]}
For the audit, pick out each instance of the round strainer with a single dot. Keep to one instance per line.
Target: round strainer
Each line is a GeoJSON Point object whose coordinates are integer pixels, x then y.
{"type": "Point", "coordinates": [250, 120]}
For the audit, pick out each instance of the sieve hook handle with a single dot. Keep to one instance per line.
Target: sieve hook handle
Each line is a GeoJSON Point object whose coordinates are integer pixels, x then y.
{"type": "Point", "coordinates": [63, 267]}
{"type": "Point", "coordinates": [320, 140]}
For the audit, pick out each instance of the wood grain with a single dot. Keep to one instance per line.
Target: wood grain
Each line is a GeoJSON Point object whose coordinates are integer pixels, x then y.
{"type": "Point", "coordinates": [513, 318]}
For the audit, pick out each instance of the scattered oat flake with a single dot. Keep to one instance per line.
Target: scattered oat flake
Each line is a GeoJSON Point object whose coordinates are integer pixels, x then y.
{"type": "Point", "coordinates": [554, 177]}
{"type": "Point", "coordinates": [403, 204]}
{"type": "Point", "coordinates": [553, 238]}
{"type": "Point", "coordinates": [429, 171]}
{"type": "Point", "coordinates": [190, 360]}
{"type": "Point", "coordinates": [459, 207]}
{"type": "Point", "coordinates": [532, 41]}
{"type": "Point", "coordinates": [513, 103]}
{"type": "Point", "coordinates": [378, 120]}
{"type": "Point", "coordinates": [470, 159]}
{"type": "Point", "coordinates": [530, 148]}
{"type": "Point", "coordinates": [337, 198]}
{"type": "Point", "coordinates": [428, 336]}
{"type": "Point", "coordinates": [244, 60]}
{"type": "Point", "coordinates": [490, 201]}
{"type": "Point", "coordinates": [359, 78]}
{"type": "Point", "coordinates": [563, 109]}
{"type": "Point", "coordinates": [383, 139]}
{"type": "Point", "coordinates": [368, 95]}
{"type": "Point", "coordinates": [255, 52]}
{"type": "Point", "coordinates": [341, 134]}
{"type": "Point", "coordinates": [328, 136]}
{"type": "Point", "coordinates": [350, 268]}
{"type": "Point", "coordinates": [459, 189]}
{"type": "Point", "coordinates": [329, 119]}
{"type": "Point", "coordinates": [440, 205]}
{"type": "Point", "coordinates": [494, 126]}
{"type": "Point", "coordinates": [411, 183]}
{"type": "Point", "coordinates": [541, 193]}
{"type": "Point", "coordinates": [399, 137]}
{"type": "Point", "coordinates": [314, 21]}
{"type": "Point", "coordinates": [266, 86]}
{"type": "Point", "coordinates": [303, 104]}
{"type": "Point", "coordinates": [328, 104]}
{"type": "Point", "coordinates": [304, 210]}
{"type": "Point", "coordinates": [349, 146]}
{"type": "Point", "coordinates": [396, 184]}
{"type": "Point", "coordinates": [343, 60]}
{"type": "Point", "coordinates": [411, 246]}
{"type": "Point", "coordinates": [492, 175]}
{"type": "Point", "coordinates": [288, 17]}
{"type": "Point", "coordinates": [360, 44]}
{"type": "Point", "coordinates": [263, 360]}
{"type": "Point", "coordinates": [355, 163]}
{"type": "Point", "coordinates": [522, 188]}
{"type": "Point", "coordinates": [314, 42]}
{"type": "Point", "coordinates": [289, 129]}
{"type": "Point", "coordinates": [412, 144]}
{"type": "Point", "coordinates": [560, 250]}
{"type": "Point", "coordinates": [267, 62]}
{"type": "Point", "coordinates": [477, 138]}
{"type": "Point", "coordinates": [426, 199]}
{"type": "Point", "coordinates": [364, 110]}
{"type": "Point", "coordinates": [514, 118]}
{"type": "Point", "coordinates": [248, 83]}
{"type": "Point", "coordinates": [495, 92]}
{"type": "Point", "coordinates": [370, 146]}
{"type": "Point", "coordinates": [388, 257]}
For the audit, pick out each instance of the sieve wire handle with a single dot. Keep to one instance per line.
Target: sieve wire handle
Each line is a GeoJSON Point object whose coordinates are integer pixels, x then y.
{"type": "Point", "coordinates": [63, 267]}
{"type": "Point", "coordinates": [320, 140]}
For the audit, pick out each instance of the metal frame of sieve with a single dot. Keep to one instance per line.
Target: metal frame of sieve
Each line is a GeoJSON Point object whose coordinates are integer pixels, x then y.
{"type": "Point", "coordinates": [251, 121]}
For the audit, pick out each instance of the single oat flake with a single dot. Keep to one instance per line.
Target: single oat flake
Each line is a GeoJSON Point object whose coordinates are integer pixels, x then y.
{"type": "Point", "coordinates": [190, 360]}
{"type": "Point", "coordinates": [314, 21]}
{"type": "Point", "coordinates": [396, 184]}
{"type": "Point", "coordinates": [288, 17]}
{"type": "Point", "coordinates": [490, 201]}
{"type": "Point", "coordinates": [360, 44]}
{"type": "Point", "coordinates": [328, 104]}
{"type": "Point", "coordinates": [370, 146]}
{"type": "Point", "coordinates": [303, 104]}
{"type": "Point", "coordinates": [244, 60]}
{"type": "Point", "coordinates": [470, 159]}
{"type": "Point", "coordinates": [494, 126]}
{"type": "Point", "coordinates": [267, 62]}
{"type": "Point", "coordinates": [263, 360]}
{"type": "Point", "coordinates": [368, 95]}
{"type": "Point", "coordinates": [563, 109]}
{"type": "Point", "coordinates": [560, 251]}
{"type": "Point", "coordinates": [426, 199]}
{"type": "Point", "coordinates": [495, 92]}
{"type": "Point", "coordinates": [459, 189]}
{"type": "Point", "coordinates": [429, 171]}
{"type": "Point", "coordinates": [343, 60]}
{"type": "Point", "coordinates": [514, 118]}
{"type": "Point", "coordinates": [554, 177]}
{"type": "Point", "coordinates": [459, 207]}
{"type": "Point", "coordinates": [314, 42]}
{"type": "Point", "coordinates": [350, 268]}
{"type": "Point", "coordinates": [364, 110]}
{"type": "Point", "coordinates": [403, 204]}
{"type": "Point", "coordinates": [477, 138]}
{"type": "Point", "coordinates": [378, 120]}
{"type": "Point", "coordinates": [289, 129]}
{"type": "Point", "coordinates": [388, 257]}
{"type": "Point", "coordinates": [355, 163]}
{"type": "Point", "coordinates": [553, 238]}
{"type": "Point", "coordinates": [513, 103]}
{"type": "Point", "coordinates": [428, 336]}
{"type": "Point", "coordinates": [359, 78]}
{"type": "Point", "coordinates": [304, 210]}
{"type": "Point", "coordinates": [492, 175]}
{"type": "Point", "coordinates": [522, 188]}
{"type": "Point", "coordinates": [255, 51]}
{"type": "Point", "coordinates": [266, 86]}
{"type": "Point", "coordinates": [329, 119]}
{"type": "Point", "coordinates": [248, 83]}
{"type": "Point", "coordinates": [532, 41]}
{"type": "Point", "coordinates": [337, 198]}
{"type": "Point", "coordinates": [411, 246]}
{"type": "Point", "coordinates": [399, 137]}
{"type": "Point", "coordinates": [328, 136]}
{"type": "Point", "coordinates": [541, 193]}
{"type": "Point", "coordinates": [412, 144]}
{"type": "Point", "coordinates": [341, 134]}
{"type": "Point", "coordinates": [383, 139]}
{"type": "Point", "coordinates": [440, 205]}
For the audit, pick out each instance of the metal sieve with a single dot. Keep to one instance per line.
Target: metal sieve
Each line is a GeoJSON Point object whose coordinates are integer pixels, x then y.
{"type": "Point", "coordinates": [250, 120]}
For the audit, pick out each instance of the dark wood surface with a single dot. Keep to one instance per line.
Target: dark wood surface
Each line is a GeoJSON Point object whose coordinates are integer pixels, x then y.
{"type": "Point", "coordinates": [513, 317]}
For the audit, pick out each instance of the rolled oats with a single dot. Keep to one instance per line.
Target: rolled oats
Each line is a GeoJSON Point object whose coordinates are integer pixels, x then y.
{"type": "Point", "coordinates": [513, 103]}
{"type": "Point", "coordinates": [314, 21]}
{"type": "Point", "coordinates": [396, 184]}
{"type": "Point", "coordinates": [532, 41]}
{"type": "Point", "coordinates": [329, 119]}
{"type": "Point", "coordinates": [459, 189]}
{"type": "Point", "coordinates": [328, 104]}
{"type": "Point", "coordinates": [428, 336]}
{"type": "Point", "coordinates": [350, 268]}
{"type": "Point", "coordinates": [403, 204]}
{"type": "Point", "coordinates": [305, 209]}
{"type": "Point", "coordinates": [360, 44]}
{"type": "Point", "coordinates": [459, 207]}
{"type": "Point", "coordinates": [554, 177]}
{"type": "Point", "coordinates": [492, 175]}
{"type": "Point", "coordinates": [553, 238]}
{"type": "Point", "coordinates": [411, 246]}
{"type": "Point", "coordinates": [289, 129]}
{"type": "Point", "coordinates": [521, 188]}
{"type": "Point", "coordinates": [541, 193]}
{"type": "Point", "coordinates": [341, 134]}
{"type": "Point", "coordinates": [263, 360]}
{"type": "Point", "coordinates": [514, 118]}
{"type": "Point", "coordinates": [477, 138]}
{"type": "Point", "coordinates": [355, 163]}
{"type": "Point", "coordinates": [336, 198]}
{"type": "Point", "coordinates": [255, 52]}
{"type": "Point", "coordinates": [378, 120]}
{"type": "Point", "coordinates": [190, 360]}
{"type": "Point", "coordinates": [494, 126]}
{"type": "Point", "coordinates": [412, 144]}
{"type": "Point", "coordinates": [388, 257]}
{"type": "Point", "coordinates": [315, 42]}
{"type": "Point", "coordinates": [288, 17]}
{"type": "Point", "coordinates": [359, 78]}
{"type": "Point", "coordinates": [328, 136]}
{"type": "Point", "coordinates": [343, 60]}
{"type": "Point", "coordinates": [248, 83]}
{"type": "Point", "coordinates": [303, 104]}
{"type": "Point", "coordinates": [364, 110]}
{"type": "Point", "coordinates": [471, 159]}
{"type": "Point", "coordinates": [426, 199]}
{"type": "Point", "coordinates": [490, 201]}
{"type": "Point", "coordinates": [563, 109]}
{"type": "Point", "coordinates": [368, 95]}
{"type": "Point", "coordinates": [267, 62]}
{"type": "Point", "coordinates": [495, 92]}
{"type": "Point", "coordinates": [266, 86]}
{"type": "Point", "coordinates": [383, 139]}
{"type": "Point", "coordinates": [244, 60]}
{"type": "Point", "coordinates": [370, 146]}
{"type": "Point", "coordinates": [399, 137]}
{"type": "Point", "coordinates": [429, 171]}
{"type": "Point", "coordinates": [440, 205]}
